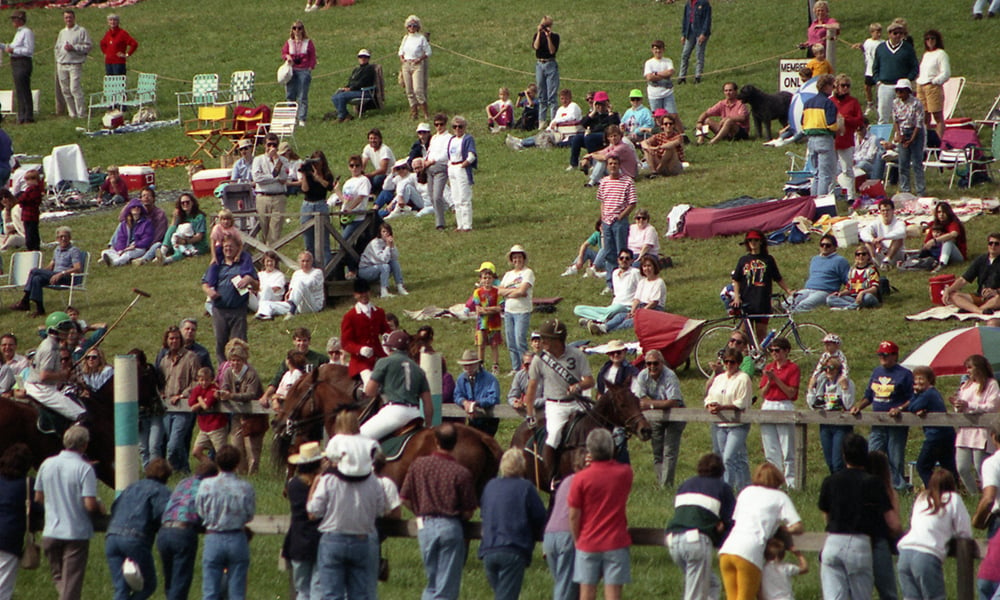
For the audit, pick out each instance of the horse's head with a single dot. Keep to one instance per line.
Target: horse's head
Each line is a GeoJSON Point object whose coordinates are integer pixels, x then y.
{"type": "Point", "coordinates": [621, 407]}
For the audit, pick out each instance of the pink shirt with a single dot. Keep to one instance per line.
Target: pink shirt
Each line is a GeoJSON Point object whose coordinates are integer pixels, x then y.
{"type": "Point", "coordinates": [817, 31]}
{"type": "Point", "coordinates": [736, 110]}
{"type": "Point", "coordinates": [986, 402]}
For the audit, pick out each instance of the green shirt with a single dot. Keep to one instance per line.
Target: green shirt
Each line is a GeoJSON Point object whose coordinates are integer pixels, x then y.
{"type": "Point", "coordinates": [314, 360]}
{"type": "Point", "coordinates": [402, 379]}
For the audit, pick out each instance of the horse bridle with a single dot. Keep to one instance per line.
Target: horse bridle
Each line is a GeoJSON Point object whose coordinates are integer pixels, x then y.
{"type": "Point", "coordinates": [588, 408]}
{"type": "Point", "coordinates": [292, 425]}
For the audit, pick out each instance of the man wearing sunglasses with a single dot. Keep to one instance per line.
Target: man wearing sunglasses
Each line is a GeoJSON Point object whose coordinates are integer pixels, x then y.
{"type": "Point", "coordinates": [827, 272]}
{"type": "Point", "coordinates": [363, 76]}
{"type": "Point", "coordinates": [658, 388]}
{"type": "Point", "coordinates": [984, 269]}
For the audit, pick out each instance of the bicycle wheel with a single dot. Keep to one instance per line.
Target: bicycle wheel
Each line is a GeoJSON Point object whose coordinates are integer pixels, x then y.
{"type": "Point", "coordinates": [710, 344]}
{"type": "Point", "coordinates": [807, 345]}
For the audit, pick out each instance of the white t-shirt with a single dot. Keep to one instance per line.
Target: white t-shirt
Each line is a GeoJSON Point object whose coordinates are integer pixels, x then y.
{"type": "Point", "coordinates": [272, 285]}
{"type": "Point", "coordinates": [758, 513]}
{"type": "Point", "coordinates": [776, 580]}
{"type": "Point", "coordinates": [869, 47]}
{"type": "Point", "coordinates": [895, 230]}
{"type": "Point", "coordinates": [638, 238]}
{"type": "Point", "coordinates": [990, 476]}
{"type": "Point", "coordinates": [624, 285]}
{"type": "Point", "coordinates": [657, 89]}
{"type": "Point", "coordinates": [308, 290]}
{"type": "Point", "coordinates": [930, 533]}
{"type": "Point", "coordinates": [437, 150]}
{"type": "Point", "coordinates": [566, 114]}
{"type": "Point", "coordinates": [647, 291]}
{"type": "Point", "coordinates": [375, 157]}
{"type": "Point", "coordinates": [391, 494]}
{"type": "Point", "coordinates": [513, 279]}
{"type": "Point", "coordinates": [355, 187]}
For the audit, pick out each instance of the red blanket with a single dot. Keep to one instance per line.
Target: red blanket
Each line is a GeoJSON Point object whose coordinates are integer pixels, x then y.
{"type": "Point", "coordinates": [704, 223]}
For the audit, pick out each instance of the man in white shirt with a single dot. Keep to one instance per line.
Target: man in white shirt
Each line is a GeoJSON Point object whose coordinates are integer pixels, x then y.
{"type": "Point", "coordinates": [624, 279]}
{"type": "Point", "coordinates": [884, 238]}
{"type": "Point", "coordinates": [72, 47]}
{"type": "Point", "coordinates": [270, 172]}
{"type": "Point", "coordinates": [21, 49]}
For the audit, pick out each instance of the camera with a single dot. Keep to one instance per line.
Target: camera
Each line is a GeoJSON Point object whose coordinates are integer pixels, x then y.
{"type": "Point", "coordinates": [520, 94]}
{"type": "Point", "coordinates": [308, 165]}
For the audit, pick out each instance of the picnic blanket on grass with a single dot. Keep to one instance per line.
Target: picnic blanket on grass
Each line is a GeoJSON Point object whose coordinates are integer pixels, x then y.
{"type": "Point", "coordinates": [129, 128]}
{"type": "Point", "coordinates": [943, 313]}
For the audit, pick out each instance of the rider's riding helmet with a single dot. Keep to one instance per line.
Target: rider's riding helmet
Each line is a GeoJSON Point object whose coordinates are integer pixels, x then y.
{"type": "Point", "coordinates": [398, 340]}
{"type": "Point", "coordinates": [554, 329]}
{"type": "Point", "coordinates": [58, 321]}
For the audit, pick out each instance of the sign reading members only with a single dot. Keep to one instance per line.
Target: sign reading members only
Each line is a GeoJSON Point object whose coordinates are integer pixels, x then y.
{"type": "Point", "coordinates": [788, 74]}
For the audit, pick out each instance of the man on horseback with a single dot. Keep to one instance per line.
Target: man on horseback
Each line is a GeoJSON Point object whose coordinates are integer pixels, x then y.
{"type": "Point", "coordinates": [47, 373]}
{"type": "Point", "coordinates": [565, 373]}
{"type": "Point", "coordinates": [403, 385]}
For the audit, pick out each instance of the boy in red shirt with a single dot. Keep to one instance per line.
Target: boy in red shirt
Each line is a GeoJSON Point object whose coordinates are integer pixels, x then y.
{"type": "Point", "coordinates": [489, 317]}
{"type": "Point", "coordinates": [212, 427]}
{"type": "Point", "coordinates": [30, 199]}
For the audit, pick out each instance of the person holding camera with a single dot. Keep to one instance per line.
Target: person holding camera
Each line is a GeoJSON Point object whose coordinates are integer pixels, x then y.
{"type": "Point", "coordinates": [300, 51]}
{"type": "Point", "coordinates": [546, 45]}
{"type": "Point", "coordinates": [316, 181]}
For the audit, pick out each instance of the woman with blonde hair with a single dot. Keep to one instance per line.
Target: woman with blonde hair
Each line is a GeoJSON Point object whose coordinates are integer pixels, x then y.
{"type": "Point", "coordinates": [760, 510]}
{"type": "Point", "coordinates": [414, 51]}
{"type": "Point", "coordinates": [978, 394]}
{"type": "Point", "coordinates": [300, 52]}
{"type": "Point", "coordinates": [95, 370]}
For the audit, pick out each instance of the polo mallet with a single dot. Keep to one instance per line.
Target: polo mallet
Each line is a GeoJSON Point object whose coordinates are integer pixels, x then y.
{"type": "Point", "coordinates": [138, 294]}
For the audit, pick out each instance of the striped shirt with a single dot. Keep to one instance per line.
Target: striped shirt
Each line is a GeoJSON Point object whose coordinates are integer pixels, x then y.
{"type": "Point", "coordinates": [615, 195]}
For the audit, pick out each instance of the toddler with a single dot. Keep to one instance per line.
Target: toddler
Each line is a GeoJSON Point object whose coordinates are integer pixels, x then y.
{"type": "Point", "coordinates": [489, 319]}
{"type": "Point", "coordinates": [868, 47]}
{"type": "Point", "coordinates": [776, 579]}
{"type": "Point", "coordinates": [500, 113]}
{"type": "Point", "coordinates": [182, 232]}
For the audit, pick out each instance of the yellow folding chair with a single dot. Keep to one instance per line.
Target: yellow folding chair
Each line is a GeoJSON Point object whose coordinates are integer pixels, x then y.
{"type": "Point", "coordinates": [206, 130]}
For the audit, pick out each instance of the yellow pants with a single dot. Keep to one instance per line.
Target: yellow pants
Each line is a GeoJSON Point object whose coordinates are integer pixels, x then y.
{"type": "Point", "coordinates": [740, 577]}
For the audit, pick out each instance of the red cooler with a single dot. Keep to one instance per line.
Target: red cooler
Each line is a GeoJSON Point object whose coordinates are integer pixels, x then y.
{"type": "Point", "coordinates": [937, 284]}
{"type": "Point", "coordinates": [137, 178]}
{"type": "Point", "coordinates": [205, 181]}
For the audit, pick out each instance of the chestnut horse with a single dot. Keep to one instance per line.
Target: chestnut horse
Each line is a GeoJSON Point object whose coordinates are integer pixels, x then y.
{"type": "Point", "coordinates": [617, 407]}
{"type": "Point", "coordinates": [314, 400]}
{"type": "Point", "coordinates": [18, 423]}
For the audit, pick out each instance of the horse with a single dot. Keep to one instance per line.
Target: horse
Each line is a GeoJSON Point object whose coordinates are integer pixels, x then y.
{"type": "Point", "coordinates": [617, 407]}
{"type": "Point", "coordinates": [18, 423]}
{"type": "Point", "coordinates": [313, 402]}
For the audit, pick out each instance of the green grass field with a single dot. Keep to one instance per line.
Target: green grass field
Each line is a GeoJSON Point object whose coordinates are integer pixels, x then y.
{"type": "Point", "coordinates": [523, 197]}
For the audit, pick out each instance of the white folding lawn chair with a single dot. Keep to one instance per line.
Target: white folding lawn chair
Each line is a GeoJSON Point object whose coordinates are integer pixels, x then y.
{"type": "Point", "coordinates": [66, 176]}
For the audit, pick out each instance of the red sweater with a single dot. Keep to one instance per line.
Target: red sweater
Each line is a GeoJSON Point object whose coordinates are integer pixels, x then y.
{"type": "Point", "coordinates": [114, 42]}
{"type": "Point", "coordinates": [30, 200]}
{"type": "Point", "coordinates": [850, 109]}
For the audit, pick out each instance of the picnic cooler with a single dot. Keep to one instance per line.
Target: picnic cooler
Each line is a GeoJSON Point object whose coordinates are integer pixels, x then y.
{"type": "Point", "coordinates": [937, 284]}
{"type": "Point", "coordinates": [137, 177]}
{"type": "Point", "coordinates": [846, 233]}
{"type": "Point", "coordinates": [204, 182]}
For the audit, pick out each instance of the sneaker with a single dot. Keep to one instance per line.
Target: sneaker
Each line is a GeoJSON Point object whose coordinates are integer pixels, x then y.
{"type": "Point", "coordinates": [513, 143]}
{"type": "Point", "coordinates": [595, 328]}
{"type": "Point", "coordinates": [600, 274]}
{"type": "Point", "coordinates": [161, 253]}
{"type": "Point", "coordinates": [138, 262]}
{"type": "Point", "coordinates": [570, 270]}
{"type": "Point", "coordinates": [387, 294]}
{"type": "Point", "coordinates": [423, 212]}
{"type": "Point", "coordinates": [302, 123]}
{"type": "Point", "coordinates": [106, 258]}
{"type": "Point", "coordinates": [937, 269]}
{"type": "Point", "coordinates": [496, 369]}
{"type": "Point", "coordinates": [606, 291]}
{"type": "Point", "coordinates": [570, 169]}
{"type": "Point", "coordinates": [167, 260]}
{"type": "Point", "coordinates": [395, 214]}
{"type": "Point", "coordinates": [583, 322]}
{"type": "Point", "coordinates": [401, 290]}
{"type": "Point", "coordinates": [591, 272]}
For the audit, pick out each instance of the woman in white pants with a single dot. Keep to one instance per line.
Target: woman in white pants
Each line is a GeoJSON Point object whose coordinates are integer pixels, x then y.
{"type": "Point", "coordinates": [461, 161]}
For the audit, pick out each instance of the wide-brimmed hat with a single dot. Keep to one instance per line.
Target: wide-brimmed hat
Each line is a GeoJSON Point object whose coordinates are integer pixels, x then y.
{"type": "Point", "coordinates": [352, 454]}
{"type": "Point", "coordinates": [469, 357]}
{"type": "Point", "coordinates": [487, 266]}
{"type": "Point", "coordinates": [364, 52]}
{"type": "Point", "coordinates": [516, 248]}
{"type": "Point", "coordinates": [284, 147]}
{"type": "Point", "coordinates": [904, 84]}
{"type": "Point", "coordinates": [244, 143]}
{"type": "Point", "coordinates": [614, 346]}
{"type": "Point", "coordinates": [308, 452]}
{"type": "Point", "coordinates": [400, 164]}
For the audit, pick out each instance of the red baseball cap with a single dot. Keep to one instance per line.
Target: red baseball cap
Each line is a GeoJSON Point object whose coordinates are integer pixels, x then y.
{"type": "Point", "coordinates": [888, 347]}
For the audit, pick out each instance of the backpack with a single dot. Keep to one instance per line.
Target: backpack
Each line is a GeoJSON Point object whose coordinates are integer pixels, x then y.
{"type": "Point", "coordinates": [885, 289]}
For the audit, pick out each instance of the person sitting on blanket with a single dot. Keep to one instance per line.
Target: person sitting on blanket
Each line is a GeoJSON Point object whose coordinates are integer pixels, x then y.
{"type": "Point", "coordinates": [861, 290]}
{"type": "Point", "coordinates": [624, 279]}
{"type": "Point", "coordinates": [884, 238]}
{"type": "Point", "coordinates": [984, 269]}
{"type": "Point", "coordinates": [568, 116]}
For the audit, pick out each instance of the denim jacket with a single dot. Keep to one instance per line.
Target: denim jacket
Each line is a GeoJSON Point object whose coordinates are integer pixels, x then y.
{"type": "Point", "coordinates": [136, 513]}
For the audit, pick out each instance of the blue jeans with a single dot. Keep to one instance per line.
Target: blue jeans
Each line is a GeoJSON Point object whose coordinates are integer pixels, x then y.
{"type": "Point", "coordinates": [823, 158]}
{"type": "Point", "coordinates": [381, 273]}
{"type": "Point", "coordinates": [297, 90]}
{"type": "Point", "coordinates": [921, 575]}
{"type": "Point", "coordinates": [667, 103]}
{"type": "Point", "coordinates": [348, 566]}
{"type": "Point", "coordinates": [515, 330]}
{"type": "Point", "coordinates": [892, 441]}
{"type": "Point", "coordinates": [119, 547]}
{"type": "Point", "coordinates": [885, 574]}
{"type": "Point", "coordinates": [306, 578]}
{"type": "Point", "coordinates": [731, 444]}
{"type": "Point", "coordinates": [178, 428]}
{"type": "Point", "coordinates": [547, 80]}
{"type": "Point", "coordinates": [614, 239]}
{"type": "Point", "coordinates": [846, 567]}
{"type": "Point", "coordinates": [850, 302]}
{"type": "Point", "coordinates": [591, 141]}
{"type": "Point", "coordinates": [178, 550]}
{"type": "Point", "coordinates": [340, 100]}
{"type": "Point", "coordinates": [912, 157]}
{"type": "Point", "coordinates": [505, 572]}
{"type": "Point", "coordinates": [805, 300]}
{"type": "Point", "coordinates": [934, 452]}
{"type": "Point", "coordinates": [114, 69]}
{"type": "Point", "coordinates": [987, 588]}
{"type": "Point", "coordinates": [225, 554]}
{"type": "Point", "coordinates": [150, 438]}
{"type": "Point", "coordinates": [309, 235]}
{"type": "Point", "coordinates": [560, 554]}
{"type": "Point", "coordinates": [831, 437]}
{"type": "Point", "coordinates": [689, 45]}
{"type": "Point", "coordinates": [443, 549]}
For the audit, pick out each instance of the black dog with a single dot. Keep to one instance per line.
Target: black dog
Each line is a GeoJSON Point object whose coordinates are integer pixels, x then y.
{"type": "Point", "coordinates": [766, 107]}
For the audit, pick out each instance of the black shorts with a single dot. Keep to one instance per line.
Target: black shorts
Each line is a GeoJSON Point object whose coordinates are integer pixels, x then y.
{"type": "Point", "coordinates": [742, 134]}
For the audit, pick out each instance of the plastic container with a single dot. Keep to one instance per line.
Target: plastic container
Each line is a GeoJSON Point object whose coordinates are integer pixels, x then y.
{"type": "Point", "coordinates": [137, 177]}
{"type": "Point", "coordinates": [937, 283]}
{"type": "Point", "coordinates": [204, 182]}
{"type": "Point", "coordinates": [846, 233]}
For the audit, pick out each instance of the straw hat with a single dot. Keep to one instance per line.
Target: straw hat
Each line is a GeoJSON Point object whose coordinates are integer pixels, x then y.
{"type": "Point", "coordinates": [308, 452]}
{"type": "Point", "coordinates": [614, 346]}
{"type": "Point", "coordinates": [469, 357]}
{"type": "Point", "coordinates": [515, 249]}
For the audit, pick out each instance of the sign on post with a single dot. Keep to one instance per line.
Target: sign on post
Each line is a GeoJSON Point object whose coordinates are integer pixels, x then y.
{"type": "Point", "coordinates": [788, 74]}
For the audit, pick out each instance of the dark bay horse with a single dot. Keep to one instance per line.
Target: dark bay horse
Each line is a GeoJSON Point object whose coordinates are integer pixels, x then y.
{"type": "Point", "coordinates": [311, 407]}
{"type": "Point", "coordinates": [18, 424]}
{"type": "Point", "coordinates": [617, 407]}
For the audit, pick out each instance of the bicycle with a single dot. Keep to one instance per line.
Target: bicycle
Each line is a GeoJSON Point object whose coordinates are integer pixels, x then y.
{"type": "Point", "coordinates": [806, 339]}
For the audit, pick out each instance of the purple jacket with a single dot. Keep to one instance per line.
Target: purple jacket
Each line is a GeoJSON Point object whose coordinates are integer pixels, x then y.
{"type": "Point", "coordinates": [142, 234]}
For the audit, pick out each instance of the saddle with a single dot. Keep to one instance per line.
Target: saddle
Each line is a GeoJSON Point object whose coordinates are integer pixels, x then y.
{"type": "Point", "coordinates": [394, 444]}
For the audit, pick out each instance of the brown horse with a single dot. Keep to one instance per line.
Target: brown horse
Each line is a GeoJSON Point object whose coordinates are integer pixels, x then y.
{"type": "Point", "coordinates": [315, 399]}
{"type": "Point", "coordinates": [18, 423]}
{"type": "Point", "coordinates": [617, 407]}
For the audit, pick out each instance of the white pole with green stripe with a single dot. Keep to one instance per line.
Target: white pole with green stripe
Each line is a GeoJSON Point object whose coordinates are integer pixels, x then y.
{"type": "Point", "coordinates": [126, 422]}
{"type": "Point", "coordinates": [430, 362]}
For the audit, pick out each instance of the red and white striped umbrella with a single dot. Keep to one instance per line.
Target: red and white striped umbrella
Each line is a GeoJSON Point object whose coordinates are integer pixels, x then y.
{"type": "Point", "coordinates": [946, 353]}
